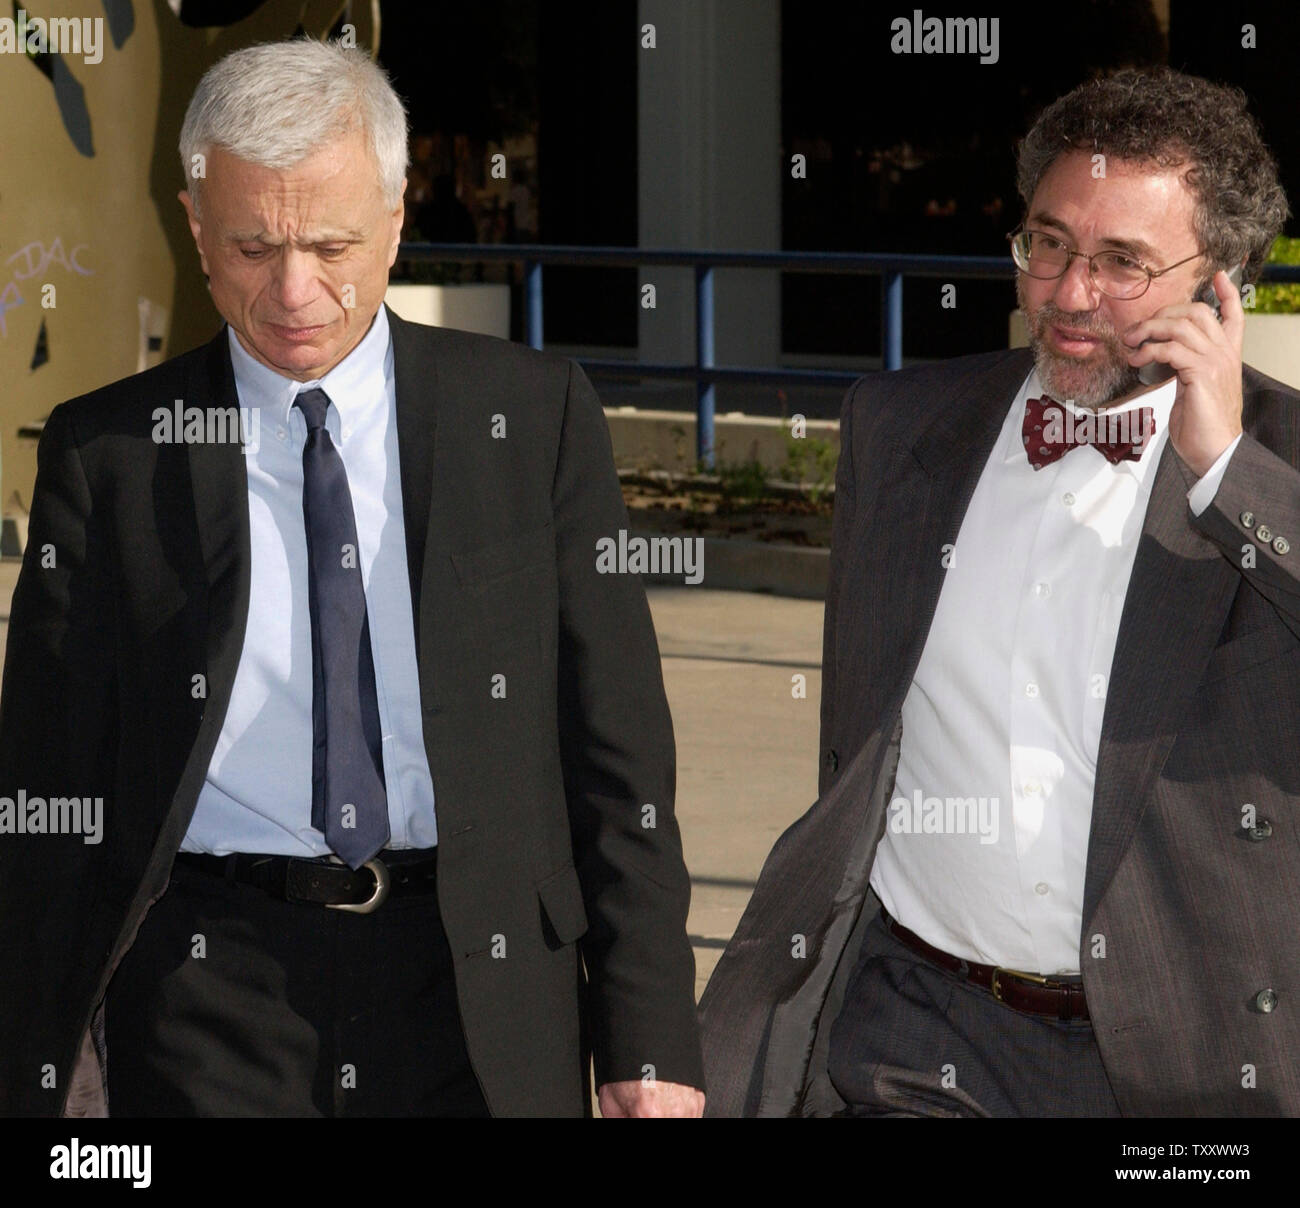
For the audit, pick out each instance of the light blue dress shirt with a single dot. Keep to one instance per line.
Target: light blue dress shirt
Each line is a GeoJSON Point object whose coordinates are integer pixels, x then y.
{"type": "Point", "coordinates": [257, 793]}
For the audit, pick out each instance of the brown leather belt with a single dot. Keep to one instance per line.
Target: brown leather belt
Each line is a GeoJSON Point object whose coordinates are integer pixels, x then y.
{"type": "Point", "coordinates": [1027, 992]}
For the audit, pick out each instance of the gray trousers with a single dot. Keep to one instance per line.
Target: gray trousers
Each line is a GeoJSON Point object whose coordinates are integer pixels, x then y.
{"type": "Point", "coordinates": [912, 1039]}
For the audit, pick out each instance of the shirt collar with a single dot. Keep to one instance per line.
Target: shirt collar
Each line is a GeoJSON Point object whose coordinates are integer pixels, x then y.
{"type": "Point", "coordinates": [1160, 400]}
{"type": "Point", "coordinates": [359, 376]}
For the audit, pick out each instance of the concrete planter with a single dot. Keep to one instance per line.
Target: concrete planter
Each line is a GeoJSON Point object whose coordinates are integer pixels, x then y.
{"type": "Point", "coordinates": [1272, 345]}
{"type": "Point", "coordinates": [665, 440]}
{"type": "Point", "coordinates": [477, 307]}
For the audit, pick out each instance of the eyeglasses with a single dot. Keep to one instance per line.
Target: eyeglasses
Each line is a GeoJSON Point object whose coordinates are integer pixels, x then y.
{"type": "Point", "coordinates": [1116, 274]}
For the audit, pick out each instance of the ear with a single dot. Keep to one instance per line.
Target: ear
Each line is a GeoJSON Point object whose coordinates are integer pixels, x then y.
{"type": "Point", "coordinates": [196, 227]}
{"type": "Point", "coordinates": [397, 219]}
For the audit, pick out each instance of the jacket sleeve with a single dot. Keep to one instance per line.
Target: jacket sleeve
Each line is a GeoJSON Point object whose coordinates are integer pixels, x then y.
{"type": "Point", "coordinates": [1254, 518]}
{"type": "Point", "coordinates": [58, 713]}
{"type": "Point", "coordinates": [618, 756]}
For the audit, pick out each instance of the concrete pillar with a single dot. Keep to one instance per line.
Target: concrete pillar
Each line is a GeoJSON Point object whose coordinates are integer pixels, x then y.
{"type": "Point", "coordinates": [709, 170]}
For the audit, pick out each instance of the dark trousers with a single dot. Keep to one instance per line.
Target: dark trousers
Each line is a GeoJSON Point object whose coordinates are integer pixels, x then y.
{"type": "Point", "coordinates": [233, 1003]}
{"type": "Point", "coordinates": [913, 1039]}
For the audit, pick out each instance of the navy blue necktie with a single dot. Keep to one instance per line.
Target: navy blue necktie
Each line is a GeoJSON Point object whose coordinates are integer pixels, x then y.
{"type": "Point", "coordinates": [349, 804]}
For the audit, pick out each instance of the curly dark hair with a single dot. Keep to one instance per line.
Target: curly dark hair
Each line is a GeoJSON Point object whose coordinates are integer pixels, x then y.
{"type": "Point", "coordinates": [1166, 118]}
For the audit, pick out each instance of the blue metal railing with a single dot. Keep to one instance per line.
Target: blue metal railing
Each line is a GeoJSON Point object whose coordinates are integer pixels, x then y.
{"type": "Point", "coordinates": [890, 267]}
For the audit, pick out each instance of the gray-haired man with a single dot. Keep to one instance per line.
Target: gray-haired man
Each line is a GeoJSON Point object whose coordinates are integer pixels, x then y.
{"type": "Point", "coordinates": [299, 668]}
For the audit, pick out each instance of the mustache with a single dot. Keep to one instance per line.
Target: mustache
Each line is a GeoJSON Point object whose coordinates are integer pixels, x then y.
{"type": "Point", "coordinates": [1081, 320]}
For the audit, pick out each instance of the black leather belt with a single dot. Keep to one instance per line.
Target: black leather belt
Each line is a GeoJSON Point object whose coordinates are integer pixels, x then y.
{"type": "Point", "coordinates": [329, 883]}
{"type": "Point", "coordinates": [1027, 992]}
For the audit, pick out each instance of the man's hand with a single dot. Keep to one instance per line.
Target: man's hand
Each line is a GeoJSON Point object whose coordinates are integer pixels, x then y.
{"type": "Point", "coordinates": [624, 1099]}
{"type": "Point", "coordinates": [1206, 354]}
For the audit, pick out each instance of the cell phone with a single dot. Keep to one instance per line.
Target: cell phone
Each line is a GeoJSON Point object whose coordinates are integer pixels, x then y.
{"type": "Point", "coordinates": [1158, 371]}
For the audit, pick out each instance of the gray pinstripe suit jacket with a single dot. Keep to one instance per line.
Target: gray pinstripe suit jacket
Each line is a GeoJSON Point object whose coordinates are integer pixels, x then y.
{"type": "Point", "coordinates": [1202, 717]}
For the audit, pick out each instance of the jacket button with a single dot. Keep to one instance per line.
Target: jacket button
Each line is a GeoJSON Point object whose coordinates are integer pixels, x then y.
{"type": "Point", "coordinates": [1266, 1001]}
{"type": "Point", "coordinates": [1260, 831]}
{"type": "Point", "coordinates": [1281, 545]}
{"type": "Point", "coordinates": [832, 761]}
{"type": "Point", "coordinates": [1264, 533]}
{"type": "Point", "coordinates": [1248, 519]}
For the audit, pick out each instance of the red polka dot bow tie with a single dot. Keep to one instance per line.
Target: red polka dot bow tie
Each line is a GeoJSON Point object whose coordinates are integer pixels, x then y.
{"type": "Point", "coordinates": [1051, 430]}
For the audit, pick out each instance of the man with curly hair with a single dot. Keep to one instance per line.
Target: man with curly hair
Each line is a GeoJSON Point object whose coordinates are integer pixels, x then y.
{"type": "Point", "coordinates": [1053, 867]}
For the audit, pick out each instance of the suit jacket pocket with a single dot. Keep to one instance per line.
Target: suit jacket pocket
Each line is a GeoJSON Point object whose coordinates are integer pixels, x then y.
{"type": "Point", "coordinates": [561, 898]}
{"type": "Point", "coordinates": [1249, 650]}
{"type": "Point", "coordinates": [536, 547]}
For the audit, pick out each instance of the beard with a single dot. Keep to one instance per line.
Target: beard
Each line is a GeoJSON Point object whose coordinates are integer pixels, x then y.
{"type": "Point", "coordinates": [1090, 382]}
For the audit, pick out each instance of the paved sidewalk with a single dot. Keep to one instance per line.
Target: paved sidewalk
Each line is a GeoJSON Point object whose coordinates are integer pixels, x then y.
{"type": "Point", "coordinates": [746, 747]}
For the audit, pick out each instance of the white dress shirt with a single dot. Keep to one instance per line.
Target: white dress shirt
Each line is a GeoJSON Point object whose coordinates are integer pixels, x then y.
{"type": "Point", "coordinates": [257, 794]}
{"type": "Point", "coordinates": [1008, 698]}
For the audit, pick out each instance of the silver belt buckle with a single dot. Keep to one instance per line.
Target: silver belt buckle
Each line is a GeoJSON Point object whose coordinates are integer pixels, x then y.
{"type": "Point", "coordinates": [376, 899]}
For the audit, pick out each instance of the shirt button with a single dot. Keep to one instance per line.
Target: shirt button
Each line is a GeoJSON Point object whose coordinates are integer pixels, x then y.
{"type": "Point", "coordinates": [281, 434]}
{"type": "Point", "coordinates": [1248, 519]}
{"type": "Point", "coordinates": [1281, 545]}
{"type": "Point", "coordinates": [1042, 590]}
{"type": "Point", "coordinates": [1068, 499]}
{"type": "Point", "coordinates": [1041, 889]}
{"type": "Point", "coordinates": [1033, 788]}
{"type": "Point", "coordinates": [1266, 1000]}
{"type": "Point", "coordinates": [1031, 691]}
{"type": "Point", "coordinates": [1260, 831]}
{"type": "Point", "coordinates": [346, 433]}
{"type": "Point", "coordinates": [1264, 533]}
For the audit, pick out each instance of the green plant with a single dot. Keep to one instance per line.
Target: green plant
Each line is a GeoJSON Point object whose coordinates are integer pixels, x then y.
{"type": "Point", "coordinates": [810, 460]}
{"type": "Point", "coordinates": [1280, 297]}
{"type": "Point", "coordinates": [743, 479]}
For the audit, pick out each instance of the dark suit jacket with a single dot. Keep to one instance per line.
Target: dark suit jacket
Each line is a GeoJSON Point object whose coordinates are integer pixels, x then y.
{"type": "Point", "coordinates": [1196, 916]}
{"type": "Point", "coordinates": [543, 836]}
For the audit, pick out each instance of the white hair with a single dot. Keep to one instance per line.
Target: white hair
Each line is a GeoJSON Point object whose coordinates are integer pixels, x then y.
{"type": "Point", "coordinates": [279, 102]}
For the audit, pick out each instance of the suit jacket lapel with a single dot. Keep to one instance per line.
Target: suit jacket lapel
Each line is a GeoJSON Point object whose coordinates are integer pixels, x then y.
{"type": "Point", "coordinates": [956, 444]}
{"type": "Point", "coordinates": [219, 486]}
{"type": "Point", "coordinates": [219, 479]}
{"type": "Point", "coordinates": [1178, 600]}
{"type": "Point", "coordinates": [415, 371]}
